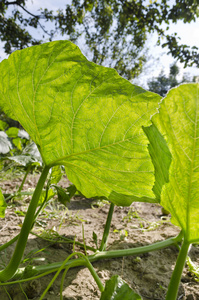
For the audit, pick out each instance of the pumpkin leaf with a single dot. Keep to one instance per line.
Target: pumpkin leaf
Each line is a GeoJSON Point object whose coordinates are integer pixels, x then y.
{"type": "Point", "coordinates": [83, 116]}
{"type": "Point", "coordinates": [178, 122]}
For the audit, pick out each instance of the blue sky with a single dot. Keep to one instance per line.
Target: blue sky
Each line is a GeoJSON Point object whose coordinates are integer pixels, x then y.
{"type": "Point", "coordinates": [189, 34]}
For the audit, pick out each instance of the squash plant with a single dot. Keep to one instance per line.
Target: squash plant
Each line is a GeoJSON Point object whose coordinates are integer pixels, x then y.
{"type": "Point", "coordinates": [98, 125]}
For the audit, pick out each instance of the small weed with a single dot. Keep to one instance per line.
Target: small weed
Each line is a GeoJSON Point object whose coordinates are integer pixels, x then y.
{"type": "Point", "coordinates": [123, 233]}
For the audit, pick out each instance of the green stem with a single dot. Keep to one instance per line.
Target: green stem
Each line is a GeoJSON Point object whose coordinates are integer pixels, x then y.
{"type": "Point", "coordinates": [24, 179]}
{"type": "Point", "coordinates": [63, 240]}
{"type": "Point", "coordinates": [100, 255]}
{"type": "Point", "coordinates": [11, 268]}
{"type": "Point", "coordinates": [84, 261]}
{"type": "Point", "coordinates": [94, 274]}
{"type": "Point", "coordinates": [57, 273]}
{"type": "Point", "coordinates": [177, 273]}
{"type": "Point", "coordinates": [107, 228]}
{"type": "Point", "coordinates": [4, 246]}
{"type": "Point", "coordinates": [42, 204]}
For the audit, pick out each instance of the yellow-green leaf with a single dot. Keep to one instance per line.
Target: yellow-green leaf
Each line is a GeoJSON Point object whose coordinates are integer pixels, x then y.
{"type": "Point", "coordinates": [83, 116]}
{"type": "Point", "coordinates": [178, 121]}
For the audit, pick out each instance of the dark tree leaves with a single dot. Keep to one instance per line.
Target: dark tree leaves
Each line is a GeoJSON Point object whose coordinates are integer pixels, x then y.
{"type": "Point", "coordinates": [114, 31]}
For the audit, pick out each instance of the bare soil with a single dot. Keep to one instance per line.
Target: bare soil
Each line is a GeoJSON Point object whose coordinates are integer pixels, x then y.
{"type": "Point", "coordinates": [138, 225]}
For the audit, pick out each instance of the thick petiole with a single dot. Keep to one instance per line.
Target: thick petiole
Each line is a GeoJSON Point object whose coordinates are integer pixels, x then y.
{"type": "Point", "coordinates": [177, 273]}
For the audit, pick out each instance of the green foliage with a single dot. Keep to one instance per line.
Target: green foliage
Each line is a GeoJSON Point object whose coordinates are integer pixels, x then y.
{"type": "Point", "coordinates": [114, 32]}
{"type": "Point", "coordinates": [30, 156]}
{"type": "Point", "coordinates": [2, 205]}
{"type": "Point", "coordinates": [56, 174]}
{"type": "Point", "coordinates": [3, 125]}
{"type": "Point", "coordinates": [83, 116]}
{"type": "Point", "coordinates": [117, 289]}
{"type": "Point", "coordinates": [12, 140]}
{"type": "Point", "coordinates": [46, 196]}
{"type": "Point", "coordinates": [64, 196]}
{"type": "Point", "coordinates": [98, 126]}
{"type": "Point", "coordinates": [177, 120]}
{"type": "Point", "coordinates": [12, 132]}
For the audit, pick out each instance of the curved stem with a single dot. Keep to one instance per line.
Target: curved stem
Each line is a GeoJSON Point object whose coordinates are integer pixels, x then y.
{"type": "Point", "coordinates": [94, 274]}
{"type": "Point", "coordinates": [11, 268]}
{"type": "Point", "coordinates": [177, 273]}
{"type": "Point", "coordinates": [98, 256]}
{"type": "Point", "coordinates": [84, 261]}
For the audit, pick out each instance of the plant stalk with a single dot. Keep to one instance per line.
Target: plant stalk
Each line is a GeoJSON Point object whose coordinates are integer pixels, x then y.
{"type": "Point", "coordinates": [94, 274]}
{"type": "Point", "coordinates": [177, 273]}
{"type": "Point", "coordinates": [107, 228]}
{"type": "Point", "coordinates": [24, 179]}
{"type": "Point", "coordinates": [4, 246]}
{"type": "Point", "coordinates": [85, 262]}
{"type": "Point", "coordinates": [35, 270]}
{"type": "Point", "coordinates": [11, 268]}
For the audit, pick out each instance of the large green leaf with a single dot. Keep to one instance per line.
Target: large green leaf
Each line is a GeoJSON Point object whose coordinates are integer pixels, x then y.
{"type": "Point", "coordinates": [83, 116]}
{"type": "Point", "coordinates": [178, 121]}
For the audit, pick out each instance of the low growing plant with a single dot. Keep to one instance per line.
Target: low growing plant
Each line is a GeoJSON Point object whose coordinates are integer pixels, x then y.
{"type": "Point", "coordinates": [115, 141]}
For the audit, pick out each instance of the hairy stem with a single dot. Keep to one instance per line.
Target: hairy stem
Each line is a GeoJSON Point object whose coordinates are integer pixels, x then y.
{"type": "Point", "coordinates": [177, 273]}
{"type": "Point", "coordinates": [11, 268]}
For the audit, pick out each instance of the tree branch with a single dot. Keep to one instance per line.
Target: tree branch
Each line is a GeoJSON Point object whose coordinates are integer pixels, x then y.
{"type": "Point", "coordinates": [34, 16]}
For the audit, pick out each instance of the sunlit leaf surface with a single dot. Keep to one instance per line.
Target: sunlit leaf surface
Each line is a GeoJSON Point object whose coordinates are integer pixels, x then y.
{"type": "Point", "coordinates": [178, 121]}
{"type": "Point", "coordinates": [161, 158]}
{"type": "Point", "coordinates": [83, 116]}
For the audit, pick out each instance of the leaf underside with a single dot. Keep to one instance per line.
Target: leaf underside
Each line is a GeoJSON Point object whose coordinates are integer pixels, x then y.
{"type": "Point", "coordinates": [178, 121]}
{"type": "Point", "coordinates": [83, 116]}
{"type": "Point", "coordinates": [160, 156]}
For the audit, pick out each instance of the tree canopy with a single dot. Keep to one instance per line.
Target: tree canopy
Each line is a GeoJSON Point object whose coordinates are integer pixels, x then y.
{"type": "Point", "coordinates": [163, 83]}
{"type": "Point", "coordinates": [115, 32]}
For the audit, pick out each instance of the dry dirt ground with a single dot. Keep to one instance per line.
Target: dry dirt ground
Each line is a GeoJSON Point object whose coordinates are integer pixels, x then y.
{"type": "Point", "coordinates": [138, 225]}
